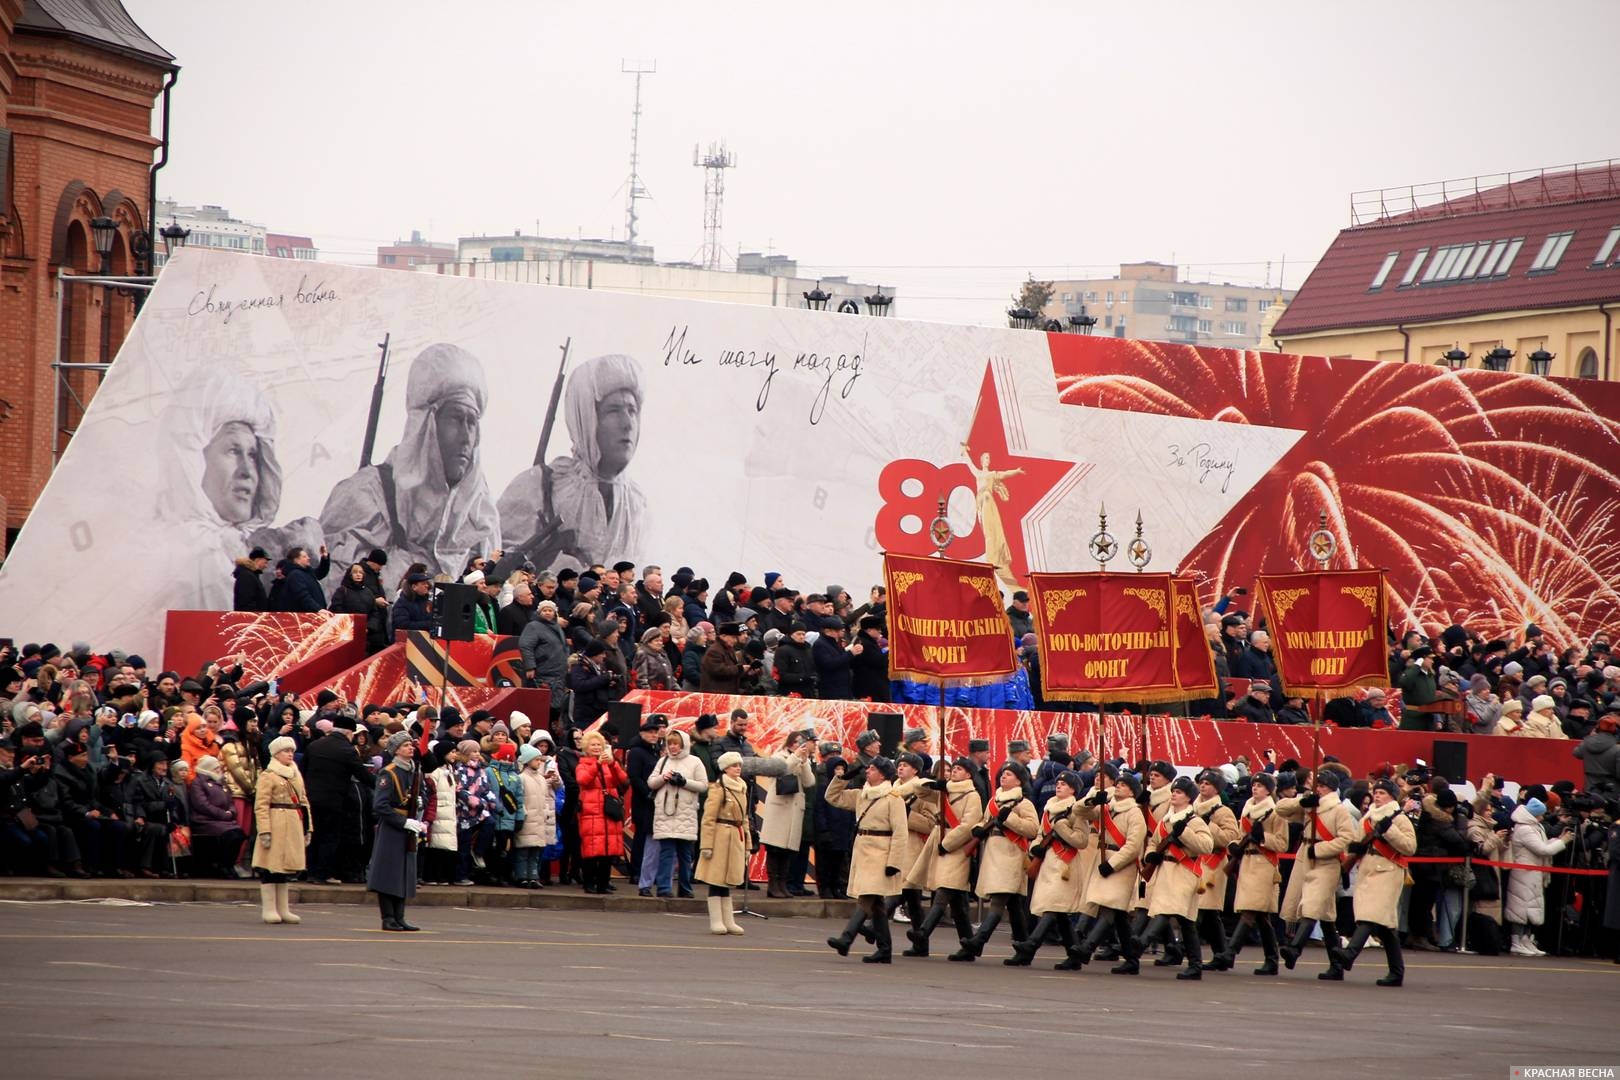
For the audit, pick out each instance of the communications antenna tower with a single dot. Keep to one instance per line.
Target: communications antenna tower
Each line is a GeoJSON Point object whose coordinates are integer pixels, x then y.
{"type": "Point", "coordinates": [635, 189]}
{"type": "Point", "coordinates": [714, 161]}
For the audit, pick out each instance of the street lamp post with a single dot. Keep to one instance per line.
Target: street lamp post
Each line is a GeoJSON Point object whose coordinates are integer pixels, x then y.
{"type": "Point", "coordinates": [1021, 318]}
{"type": "Point", "coordinates": [1541, 361]}
{"type": "Point", "coordinates": [102, 232]}
{"type": "Point", "coordinates": [1082, 323]}
{"type": "Point", "coordinates": [1498, 358]}
{"type": "Point", "coordinates": [816, 299]}
{"type": "Point", "coordinates": [174, 238]}
{"type": "Point", "coordinates": [1455, 359]}
{"type": "Point", "coordinates": [878, 304]}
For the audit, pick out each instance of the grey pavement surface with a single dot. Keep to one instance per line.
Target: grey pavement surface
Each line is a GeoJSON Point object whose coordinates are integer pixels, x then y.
{"type": "Point", "coordinates": [204, 989]}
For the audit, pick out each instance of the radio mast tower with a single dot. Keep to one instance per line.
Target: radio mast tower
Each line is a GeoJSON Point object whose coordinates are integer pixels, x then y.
{"type": "Point", "coordinates": [635, 188]}
{"type": "Point", "coordinates": [714, 162]}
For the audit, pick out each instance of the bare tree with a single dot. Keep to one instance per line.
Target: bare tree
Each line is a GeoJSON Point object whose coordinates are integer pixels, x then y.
{"type": "Point", "coordinates": [1034, 295]}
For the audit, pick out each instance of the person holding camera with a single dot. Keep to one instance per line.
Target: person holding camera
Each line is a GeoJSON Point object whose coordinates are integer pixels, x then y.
{"type": "Point", "coordinates": [602, 785]}
{"type": "Point", "coordinates": [1531, 842]}
{"type": "Point", "coordinates": [781, 811]}
{"type": "Point", "coordinates": [282, 817]}
{"type": "Point", "coordinates": [677, 786]}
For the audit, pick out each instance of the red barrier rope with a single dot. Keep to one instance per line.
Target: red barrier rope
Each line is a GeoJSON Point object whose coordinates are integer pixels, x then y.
{"type": "Point", "coordinates": [1454, 860]}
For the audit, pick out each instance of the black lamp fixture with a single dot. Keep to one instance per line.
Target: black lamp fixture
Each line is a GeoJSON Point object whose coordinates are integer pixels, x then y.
{"type": "Point", "coordinates": [102, 231]}
{"type": "Point", "coordinates": [1455, 358]}
{"type": "Point", "coordinates": [1541, 361]}
{"type": "Point", "coordinates": [878, 304]}
{"type": "Point", "coordinates": [816, 299]}
{"type": "Point", "coordinates": [1021, 318]}
{"type": "Point", "coordinates": [1082, 323]}
{"type": "Point", "coordinates": [174, 237]}
{"type": "Point", "coordinates": [1498, 358]}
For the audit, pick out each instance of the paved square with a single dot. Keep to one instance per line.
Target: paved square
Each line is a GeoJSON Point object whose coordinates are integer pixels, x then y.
{"type": "Point", "coordinates": [181, 990]}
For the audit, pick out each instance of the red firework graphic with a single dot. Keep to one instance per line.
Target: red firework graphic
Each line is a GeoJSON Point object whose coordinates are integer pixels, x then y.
{"type": "Point", "coordinates": [1490, 497]}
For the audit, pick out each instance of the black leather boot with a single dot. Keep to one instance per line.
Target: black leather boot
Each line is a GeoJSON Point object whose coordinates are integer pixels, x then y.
{"type": "Point", "coordinates": [1193, 949]}
{"type": "Point", "coordinates": [1296, 945]}
{"type": "Point", "coordinates": [1335, 951]}
{"type": "Point", "coordinates": [885, 943]}
{"type": "Point", "coordinates": [1346, 958]}
{"type": "Point", "coordinates": [399, 915]}
{"type": "Point", "coordinates": [921, 932]}
{"type": "Point", "coordinates": [973, 947]}
{"type": "Point", "coordinates": [1024, 951]}
{"type": "Point", "coordinates": [1392, 954]}
{"type": "Point", "coordinates": [385, 904]}
{"type": "Point", "coordinates": [1268, 944]}
{"type": "Point", "coordinates": [843, 941]}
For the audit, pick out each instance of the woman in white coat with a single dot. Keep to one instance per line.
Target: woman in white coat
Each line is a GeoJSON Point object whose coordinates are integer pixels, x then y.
{"type": "Point", "coordinates": [781, 812]}
{"type": "Point", "coordinates": [1527, 889]}
{"type": "Point", "coordinates": [440, 863]}
{"type": "Point", "coordinates": [541, 782]}
{"type": "Point", "coordinates": [677, 783]}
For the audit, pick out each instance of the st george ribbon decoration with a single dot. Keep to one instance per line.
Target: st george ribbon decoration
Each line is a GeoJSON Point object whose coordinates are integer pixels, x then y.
{"type": "Point", "coordinates": [1105, 636]}
{"type": "Point", "coordinates": [946, 622]}
{"type": "Point", "coordinates": [1328, 628]}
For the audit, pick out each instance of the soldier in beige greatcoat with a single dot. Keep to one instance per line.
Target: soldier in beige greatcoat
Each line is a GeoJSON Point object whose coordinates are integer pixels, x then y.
{"type": "Point", "coordinates": [1330, 829]}
{"type": "Point", "coordinates": [1177, 870]}
{"type": "Point", "coordinates": [1059, 891]}
{"type": "Point", "coordinates": [1255, 858]}
{"type": "Point", "coordinates": [1387, 840]}
{"type": "Point", "coordinates": [1009, 825]}
{"type": "Point", "coordinates": [877, 861]}
{"type": "Point", "coordinates": [1223, 830]}
{"type": "Point", "coordinates": [1121, 837]}
{"type": "Point", "coordinates": [946, 862]}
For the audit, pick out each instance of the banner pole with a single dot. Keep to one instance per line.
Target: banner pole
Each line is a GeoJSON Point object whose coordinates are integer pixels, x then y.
{"type": "Point", "coordinates": [941, 533]}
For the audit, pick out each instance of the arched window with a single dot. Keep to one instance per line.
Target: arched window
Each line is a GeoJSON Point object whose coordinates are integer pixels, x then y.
{"type": "Point", "coordinates": [1588, 365]}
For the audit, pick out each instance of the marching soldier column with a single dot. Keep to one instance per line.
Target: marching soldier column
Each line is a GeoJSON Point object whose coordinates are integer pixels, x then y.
{"type": "Point", "coordinates": [1121, 861]}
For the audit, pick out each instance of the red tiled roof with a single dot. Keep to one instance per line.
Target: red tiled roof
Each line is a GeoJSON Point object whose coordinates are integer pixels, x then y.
{"type": "Point", "coordinates": [1336, 294]}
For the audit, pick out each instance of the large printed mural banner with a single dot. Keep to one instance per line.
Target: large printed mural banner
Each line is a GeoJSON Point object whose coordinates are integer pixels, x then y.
{"type": "Point", "coordinates": [262, 401]}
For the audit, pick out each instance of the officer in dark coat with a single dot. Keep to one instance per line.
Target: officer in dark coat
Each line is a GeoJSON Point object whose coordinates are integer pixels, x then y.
{"type": "Point", "coordinates": [396, 802]}
{"type": "Point", "coordinates": [335, 778]}
{"type": "Point", "coordinates": [832, 660]}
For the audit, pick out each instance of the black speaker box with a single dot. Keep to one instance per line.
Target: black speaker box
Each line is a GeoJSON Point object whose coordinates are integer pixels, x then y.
{"type": "Point", "coordinates": [888, 726]}
{"type": "Point", "coordinates": [1451, 759]}
{"type": "Point", "coordinates": [453, 611]}
{"type": "Point", "coordinates": [623, 725]}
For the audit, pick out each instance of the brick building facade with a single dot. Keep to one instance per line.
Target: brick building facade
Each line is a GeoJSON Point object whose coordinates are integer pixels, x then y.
{"type": "Point", "coordinates": [78, 84]}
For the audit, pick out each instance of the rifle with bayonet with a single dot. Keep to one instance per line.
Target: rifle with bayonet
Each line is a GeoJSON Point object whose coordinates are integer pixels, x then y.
{"type": "Point", "coordinates": [549, 539]}
{"type": "Point", "coordinates": [370, 440]}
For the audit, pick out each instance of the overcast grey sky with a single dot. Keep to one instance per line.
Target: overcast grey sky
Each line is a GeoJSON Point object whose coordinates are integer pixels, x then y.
{"type": "Point", "coordinates": [943, 148]}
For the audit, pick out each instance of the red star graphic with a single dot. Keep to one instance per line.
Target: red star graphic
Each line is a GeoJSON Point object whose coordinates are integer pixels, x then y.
{"type": "Point", "coordinates": [988, 436]}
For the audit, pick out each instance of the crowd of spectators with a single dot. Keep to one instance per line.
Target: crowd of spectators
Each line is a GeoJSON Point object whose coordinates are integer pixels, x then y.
{"type": "Point", "coordinates": [110, 769]}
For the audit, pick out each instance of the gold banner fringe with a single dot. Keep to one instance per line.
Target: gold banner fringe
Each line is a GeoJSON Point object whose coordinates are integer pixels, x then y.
{"type": "Point", "coordinates": [1146, 697]}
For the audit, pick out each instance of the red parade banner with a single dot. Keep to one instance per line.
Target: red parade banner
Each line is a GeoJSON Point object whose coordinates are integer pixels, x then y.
{"type": "Point", "coordinates": [945, 620]}
{"type": "Point", "coordinates": [1195, 661]}
{"type": "Point", "coordinates": [1328, 627]}
{"type": "Point", "coordinates": [1105, 636]}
